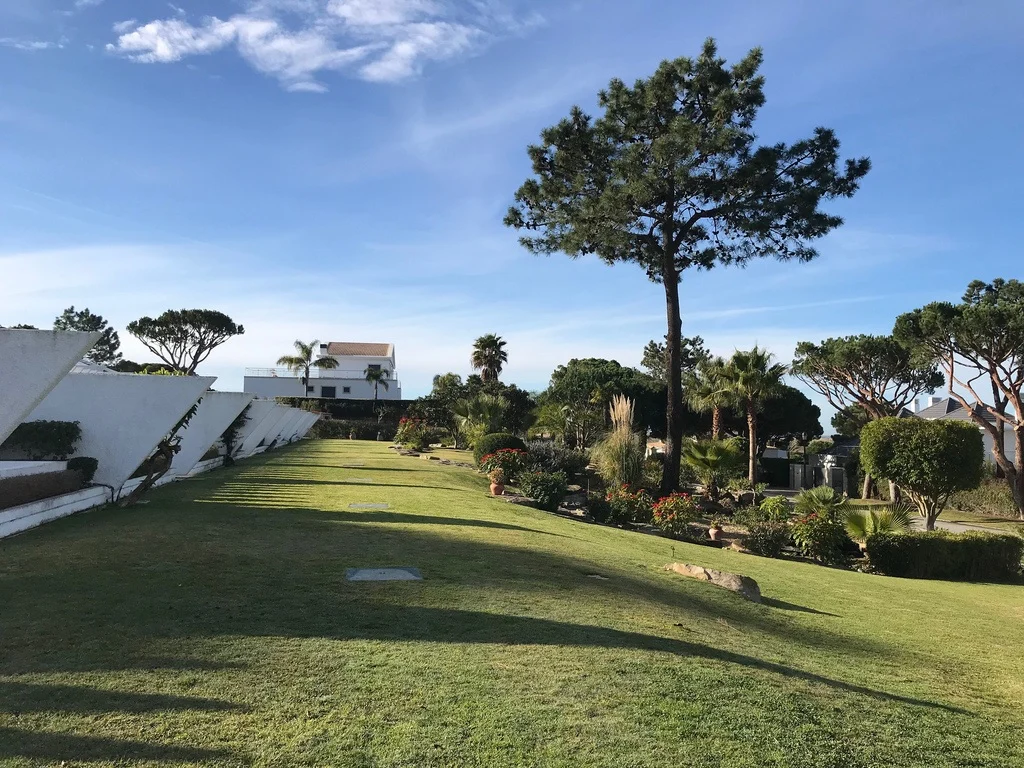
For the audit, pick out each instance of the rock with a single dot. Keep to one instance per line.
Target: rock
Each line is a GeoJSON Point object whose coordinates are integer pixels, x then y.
{"type": "Point", "coordinates": [745, 585]}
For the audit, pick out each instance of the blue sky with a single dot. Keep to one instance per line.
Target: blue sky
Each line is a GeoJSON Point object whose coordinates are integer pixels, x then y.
{"type": "Point", "coordinates": [338, 169]}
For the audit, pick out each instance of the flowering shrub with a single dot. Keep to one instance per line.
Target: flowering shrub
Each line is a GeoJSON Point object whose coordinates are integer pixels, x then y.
{"type": "Point", "coordinates": [775, 509]}
{"type": "Point", "coordinates": [767, 538]}
{"type": "Point", "coordinates": [821, 536]}
{"type": "Point", "coordinates": [630, 506]}
{"type": "Point", "coordinates": [674, 513]}
{"type": "Point", "coordinates": [512, 460]}
{"type": "Point", "coordinates": [546, 488]}
{"type": "Point", "coordinates": [413, 433]}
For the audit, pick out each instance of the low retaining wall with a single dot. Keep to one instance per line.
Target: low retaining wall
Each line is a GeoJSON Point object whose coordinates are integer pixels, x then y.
{"type": "Point", "coordinates": [18, 519]}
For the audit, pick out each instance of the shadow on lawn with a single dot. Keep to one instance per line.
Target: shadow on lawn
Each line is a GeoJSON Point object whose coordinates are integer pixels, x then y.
{"type": "Point", "coordinates": [771, 602]}
{"type": "Point", "coordinates": [53, 747]}
{"type": "Point", "coordinates": [18, 698]}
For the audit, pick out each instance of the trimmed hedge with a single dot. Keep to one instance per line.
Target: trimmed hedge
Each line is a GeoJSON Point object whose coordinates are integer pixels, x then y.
{"type": "Point", "coordinates": [84, 465]}
{"type": "Point", "coordinates": [944, 555]}
{"type": "Point", "coordinates": [546, 488]}
{"type": "Point", "coordinates": [493, 442]}
{"type": "Point", "coordinates": [24, 489]}
{"type": "Point", "coordinates": [52, 440]}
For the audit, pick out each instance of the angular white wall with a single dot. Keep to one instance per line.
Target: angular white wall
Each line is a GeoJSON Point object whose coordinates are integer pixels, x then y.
{"type": "Point", "coordinates": [259, 412]}
{"type": "Point", "coordinates": [123, 415]}
{"type": "Point", "coordinates": [281, 412]}
{"type": "Point", "coordinates": [31, 364]}
{"type": "Point", "coordinates": [288, 425]}
{"type": "Point", "coordinates": [307, 425]}
{"type": "Point", "coordinates": [216, 412]}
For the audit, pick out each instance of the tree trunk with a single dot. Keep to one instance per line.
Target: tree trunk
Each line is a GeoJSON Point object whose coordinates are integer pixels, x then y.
{"type": "Point", "coordinates": [752, 438]}
{"type": "Point", "coordinates": [1016, 479]}
{"type": "Point", "coordinates": [893, 493]}
{"type": "Point", "coordinates": [865, 491]}
{"type": "Point", "coordinates": [674, 409]}
{"type": "Point", "coordinates": [716, 423]}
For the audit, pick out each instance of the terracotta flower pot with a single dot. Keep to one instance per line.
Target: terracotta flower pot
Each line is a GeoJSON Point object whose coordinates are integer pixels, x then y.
{"type": "Point", "coordinates": [497, 489]}
{"type": "Point", "coordinates": [715, 534]}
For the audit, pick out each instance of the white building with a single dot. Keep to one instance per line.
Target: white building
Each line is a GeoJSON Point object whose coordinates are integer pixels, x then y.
{"type": "Point", "coordinates": [948, 408]}
{"type": "Point", "coordinates": [348, 380]}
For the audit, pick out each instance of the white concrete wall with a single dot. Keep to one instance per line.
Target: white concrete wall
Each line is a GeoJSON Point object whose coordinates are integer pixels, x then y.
{"type": "Point", "coordinates": [22, 468]}
{"type": "Point", "coordinates": [31, 365]}
{"type": "Point", "coordinates": [18, 519]}
{"type": "Point", "coordinates": [259, 410]}
{"type": "Point", "coordinates": [216, 412]}
{"type": "Point", "coordinates": [289, 425]}
{"type": "Point", "coordinates": [307, 421]}
{"type": "Point", "coordinates": [286, 386]}
{"type": "Point", "coordinates": [271, 427]}
{"type": "Point", "coordinates": [123, 415]}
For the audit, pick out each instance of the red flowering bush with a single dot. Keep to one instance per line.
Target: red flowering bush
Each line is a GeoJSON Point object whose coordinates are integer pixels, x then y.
{"type": "Point", "coordinates": [674, 513]}
{"type": "Point", "coordinates": [629, 505]}
{"type": "Point", "coordinates": [413, 433]}
{"type": "Point", "coordinates": [512, 461]}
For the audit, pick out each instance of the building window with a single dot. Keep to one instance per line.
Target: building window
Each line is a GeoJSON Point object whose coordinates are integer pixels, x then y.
{"type": "Point", "coordinates": [374, 367]}
{"type": "Point", "coordinates": [346, 390]}
{"type": "Point", "coordinates": [310, 389]}
{"type": "Point", "coordinates": [328, 392]}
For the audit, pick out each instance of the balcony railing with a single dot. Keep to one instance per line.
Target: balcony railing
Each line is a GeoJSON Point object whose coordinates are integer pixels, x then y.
{"type": "Point", "coordinates": [314, 373]}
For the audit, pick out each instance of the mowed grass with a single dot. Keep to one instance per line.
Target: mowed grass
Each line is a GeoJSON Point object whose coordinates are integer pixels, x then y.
{"type": "Point", "coordinates": [214, 626]}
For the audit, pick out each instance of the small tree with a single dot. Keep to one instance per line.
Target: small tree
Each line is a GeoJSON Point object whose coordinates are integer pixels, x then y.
{"type": "Point", "coordinates": [928, 460]}
{"type": "Point", "coordinates": [305, 359]}
{"type": "Point", "coordinates": [670, 178]}
{"type": "Point", "coordinates": [707, 389]}
{"type": "Point", "coordinates": [489, 356]}
{"type": "Point", "coordinates": [106, 350]}
{"type": "Point", "coordinates": [714, 462]}
{"type": "Point", "coordinates": [184, 338]}
{"type": "Point", "coordinates": [753, 379]}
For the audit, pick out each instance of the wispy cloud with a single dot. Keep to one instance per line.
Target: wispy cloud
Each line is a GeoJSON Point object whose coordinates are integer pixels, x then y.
{"type": "Point", "coordinates": [297, 40]}
{"type": "Point", "coordinates": [82, 4]}
{"type": "Point", "coordinates": [22, 44]}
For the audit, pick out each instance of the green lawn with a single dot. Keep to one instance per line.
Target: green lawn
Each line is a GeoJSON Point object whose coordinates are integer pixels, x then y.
{"type": "Point", "coordinates": [214, 626]}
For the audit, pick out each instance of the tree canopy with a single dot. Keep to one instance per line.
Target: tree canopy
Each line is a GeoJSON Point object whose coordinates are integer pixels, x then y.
{"type": "Point", "coordinates": [876, 373]}
{"type": "Point", "coordinates": [670, 178]}
{"type": "Point", "coordinates": [184, 338]}
{"type": "Point", "coordinates": [655, 357]}
{"type": "Point", "coordinates": [489, 356]}
{"type": "Point", "coordinates": [106, 351]}
{"type": "Point", "coordinates": [304, 359]}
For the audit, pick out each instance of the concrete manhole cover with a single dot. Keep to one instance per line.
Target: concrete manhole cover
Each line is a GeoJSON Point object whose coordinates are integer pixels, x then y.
{"type": "Point", "coordinates": [383, 574]}
{"type": "Point", "coordinates": [372, 505]}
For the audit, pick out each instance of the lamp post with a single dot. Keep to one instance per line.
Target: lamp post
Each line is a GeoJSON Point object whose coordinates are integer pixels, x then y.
{"type": "Point", "coordinates": [804, 442]}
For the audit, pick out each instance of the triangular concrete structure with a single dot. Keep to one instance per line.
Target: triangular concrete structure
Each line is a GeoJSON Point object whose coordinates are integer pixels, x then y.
{"type": "Point", "coordinates": [310, 422]}
{"type": "Point", "coordinates": [216, 412]}
{"type": "Point", "coordinates": [267, 430]}
{"type": "Point", "coordinates": [31, 365]}
{"type": "Point", "coordinates": [288, 425]}
{"type": "Point", "coordinates": [247, 440]}
{"type": "Point", "coordinates": [123, 415]}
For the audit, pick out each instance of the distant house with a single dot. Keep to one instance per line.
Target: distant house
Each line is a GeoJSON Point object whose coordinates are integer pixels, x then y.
{"type": "Point", "coordinates": [348, 380]}
{"type": "Point", "coordinates": [949, 408]}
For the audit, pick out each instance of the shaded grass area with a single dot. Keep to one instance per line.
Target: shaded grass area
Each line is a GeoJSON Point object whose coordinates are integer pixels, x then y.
{"type": "Point", "coordinates": [214, 626]}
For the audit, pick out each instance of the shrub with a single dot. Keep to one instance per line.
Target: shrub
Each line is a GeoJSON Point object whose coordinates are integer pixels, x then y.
{"type": "Point", "coordinates": [494, 442]}
{"type": "Point", "coordinates": [928, 460]}
{"type": "Point", "coordinates": [598, 507]}
{"type": "Point", "coordinates": [767, 538]}
{"type": "Point", "coordinates": [674, 513]}
{"type": "Point", "coordinates": [548, 457]}
{"type": "Point", "coordinates": [53, 440]}
{"type": "Point", "coordinates": [619, 455]}
{"type": "Point", "coordinates": [775, 509]}
{"type": "Point", "coordinates": [85, 466]}
{"type": "Point", "coordinates": [821, 536]}
{"type": "Point", "coordinates": [24, 489]}
{"type": "Point", "coordinates": [714, 462]}
{"type": "Point", "coordinates": [630, 505]}
{"type": "Point", "coordinates": [341, 429]}
{"type": "Point", "coordinates": [992, 497]}
{"type": "Point", "coordinates": [973, 556]}
{"type": "Point", "coordinates": [512, 461]}
{"type": "Point", "coordinates": [546, 488]}
{"type": "Point", "coordinates": [863, 523]}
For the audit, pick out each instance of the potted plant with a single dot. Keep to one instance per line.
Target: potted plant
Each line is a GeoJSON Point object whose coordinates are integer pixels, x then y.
{"type": "Point", "coordinates": [715, 529]}
{"type": "Point", "coordinates": [497, 481]}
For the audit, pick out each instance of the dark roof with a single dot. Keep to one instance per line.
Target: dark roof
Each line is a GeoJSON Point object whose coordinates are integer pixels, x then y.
{"type": "Point", "coordinates": [952, 409]}
{"type": "Point", "coordinates": [359, 349]}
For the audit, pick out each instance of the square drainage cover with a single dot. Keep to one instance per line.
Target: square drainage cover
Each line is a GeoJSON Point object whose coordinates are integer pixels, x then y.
{"type": "Point", "coordinates": [371, 505]}
{"type": "Point", "coordinates": [383, 574]}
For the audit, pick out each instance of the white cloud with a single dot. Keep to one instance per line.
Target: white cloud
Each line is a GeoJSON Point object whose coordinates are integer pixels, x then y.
{"type": "Point", "coordinates": [295, 40]}
{"type": "Point", "coordinates": [81, 4]}
{"type": "Point", "coordinates": [123, 26]}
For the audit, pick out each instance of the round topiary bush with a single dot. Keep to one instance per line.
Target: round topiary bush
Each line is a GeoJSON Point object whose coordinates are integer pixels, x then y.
{"type": "Point", "coordinates": [493, 442]}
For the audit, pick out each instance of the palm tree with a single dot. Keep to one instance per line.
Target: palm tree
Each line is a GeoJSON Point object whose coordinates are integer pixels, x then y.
{"type": "Point", "coordinates": [713, 461]}
{"type": "Point", "coordinates": [707, 389]}
{"type": "Point", "coordinates": [304, 360]}
{"type": "Point", "coordinates": [379, 378]}
{"type": "Point", "coordinates": [753, 378]}
{"type": "Point", "coordinates": [862, 523]}
{"type": "Point", "coordinates": [489, 356]}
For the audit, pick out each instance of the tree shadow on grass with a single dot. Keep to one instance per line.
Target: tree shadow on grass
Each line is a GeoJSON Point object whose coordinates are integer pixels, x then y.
{"type": "Point", "coordinates": [414, 519]}
{"type": "Point", "coordinates": [771, 602]}
{"type": "Point", "coordinates": [55, 748]}
{"type": "Point", "coordinates": [17, 698]}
